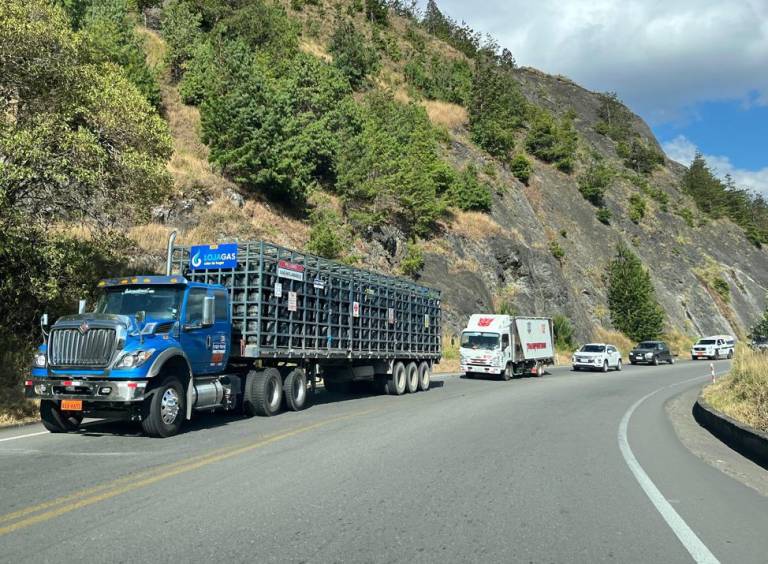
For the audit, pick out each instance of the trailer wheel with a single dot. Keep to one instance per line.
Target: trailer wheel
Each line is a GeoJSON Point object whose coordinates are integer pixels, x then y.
{"type": "Point", "coordinates": [396, 381]}
{"type": "Point", "coordinates": [295, 390]}
{"type": "Point", "coordinates": [263, 392]}
{"type": "Point", "coordinates": [57, 421]}
{"type": "Point", "coordinates": [425, 376]}
{"type": "Point", "coordinates": [412, 377]}
{"type": "Point", "coordinates": [163, 412]}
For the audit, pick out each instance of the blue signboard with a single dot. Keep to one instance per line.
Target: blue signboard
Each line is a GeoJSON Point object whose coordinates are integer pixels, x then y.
{"type": "Point", "coordinates": [204, 257]}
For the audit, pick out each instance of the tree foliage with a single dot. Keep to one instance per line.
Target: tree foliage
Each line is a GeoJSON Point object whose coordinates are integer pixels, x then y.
{"type": "Point", "coordinates": [521, 168]}
{"type": "Point", "coordinates": [552, 140]}
{"type": "Point", "coordinates": [352, 55]}
{"type": "Point", "coordinates": [439, 78]}
{"type": "Point", "coordinates": [181, 30]}
{"type": "Point", "coordinates": [632, 298]}
{"type": "Point", "coordinates": [468, 193]}
{"type": "Point", "coordinates": [594, 181]}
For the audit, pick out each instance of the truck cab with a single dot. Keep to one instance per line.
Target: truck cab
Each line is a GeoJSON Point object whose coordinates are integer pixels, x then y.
{"type": "Point", "coordinates": [149, 351]}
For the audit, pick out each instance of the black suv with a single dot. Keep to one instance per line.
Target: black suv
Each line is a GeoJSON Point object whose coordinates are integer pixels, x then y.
{"type": "Point", "coordinates": [651, 352]}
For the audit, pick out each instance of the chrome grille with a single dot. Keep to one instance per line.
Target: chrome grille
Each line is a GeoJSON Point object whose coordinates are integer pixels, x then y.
{"type": "Point", "coordinates": [70, 347]}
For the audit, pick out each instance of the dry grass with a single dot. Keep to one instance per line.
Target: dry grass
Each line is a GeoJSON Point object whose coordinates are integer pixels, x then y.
{"type": "Point", "coordinates": [14, 367]}
{"type": "Point", "coordinates": [743, 395]}
{"type": "Point", "coordinates": [450, 360]}
{"type": "Point", "coordinates": [311, 47]}
{"type": "Point", "coordinates": [615, 338]}
{"type": "Point", "coordinates": [446, 114]}
{"type": "Point", "coordinates": [679, 343]}
{"type": "Point", "coordinates": [154, 47]}
{"type": "Point", "coordinates": [478, 226]}
{"type": "Point", "coordinates": [464, 265]}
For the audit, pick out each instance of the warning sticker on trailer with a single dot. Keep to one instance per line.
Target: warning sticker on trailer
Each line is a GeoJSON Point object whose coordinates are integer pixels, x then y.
{"type": "Point", "coordinates": [319, 283]}
{"type": "Point", "coordinates": [426, 320]}
{"type": "Point", "coordinates": [391, 315]}
{"type": "Point", "coordinates": [278, 290]}
{"type": "Point", "coordinates": [355, 309]}
{"type": "Point", "coordinates": [292, 299]}
{"type": "Point", "coordinates": [289, 270]}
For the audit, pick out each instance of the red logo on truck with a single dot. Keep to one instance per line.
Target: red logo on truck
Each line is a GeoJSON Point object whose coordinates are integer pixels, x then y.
{"type": "Point", "coordinates": [537, 346]}
{"type": "Point", "coordinates": [485, 321]}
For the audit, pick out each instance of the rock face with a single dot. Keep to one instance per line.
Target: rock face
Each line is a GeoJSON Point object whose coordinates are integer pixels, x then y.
{"type": "Point", "coordinates": [473, 271]}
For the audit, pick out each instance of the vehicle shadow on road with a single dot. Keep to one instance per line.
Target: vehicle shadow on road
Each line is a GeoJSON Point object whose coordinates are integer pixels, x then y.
{"type": "Point", "coordinates": [359, 390]}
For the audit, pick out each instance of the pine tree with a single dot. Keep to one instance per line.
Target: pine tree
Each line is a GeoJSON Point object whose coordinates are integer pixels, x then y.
{"type": "Point", "coordinates": [631, 297]}
{"type": "Point", "coordinates": [760, 329]}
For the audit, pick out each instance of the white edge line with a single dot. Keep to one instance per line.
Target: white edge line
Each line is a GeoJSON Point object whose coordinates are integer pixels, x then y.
{"type": "Point", "coordinates": [24, 436]}
{"type": "Point", "coordinates": [692, 543]}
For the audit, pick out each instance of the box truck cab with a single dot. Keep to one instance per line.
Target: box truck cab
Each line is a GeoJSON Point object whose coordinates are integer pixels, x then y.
{"type": "Point", "coordinates": [506, 346]}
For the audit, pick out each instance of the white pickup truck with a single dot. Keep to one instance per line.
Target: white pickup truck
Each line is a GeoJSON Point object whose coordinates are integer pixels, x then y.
{"type": "Point", "coordinates": [717, 346]}
{"type": "Point", "coordinates": [506, 346]}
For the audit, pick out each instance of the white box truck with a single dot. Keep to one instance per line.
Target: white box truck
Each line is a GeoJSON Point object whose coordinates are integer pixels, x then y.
{"type": "Point", "coordinates": [506, 345]}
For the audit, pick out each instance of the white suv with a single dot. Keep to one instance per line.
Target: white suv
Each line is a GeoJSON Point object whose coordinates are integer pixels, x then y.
{"type": "Point", "coordinates": [717, 346]}
{"type": "Point", "coordinates": [597, 356]}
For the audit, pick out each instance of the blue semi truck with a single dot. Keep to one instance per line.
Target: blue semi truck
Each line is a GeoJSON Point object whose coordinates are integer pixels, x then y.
{"type": "Point", "coordinates": [240, 327]}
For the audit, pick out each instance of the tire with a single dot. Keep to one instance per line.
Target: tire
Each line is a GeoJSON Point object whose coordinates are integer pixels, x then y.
{"type": "Point", "coordinates": [671, 359]}
{"type": "Point", "coordinates": [425, 376]}
{"type": "Point", "coordinates": [655, 360]}
{"type": "Point", "coordinates": [730, 355]}
{"type": "Point", "coordinates": [539, 371]}
{"type": "Point", "coordinates": [396, 382]}
{"type": "Point", "coordinates": [605, 366]}
{"type": "Point", "coordinates": [164, 411]}
{"type": "Point", "coordinates": [412, 377]}
{"type": "Point", "coordinates": [263, 392]}
{"type": "Point", "coordinates": [57, 421]}
{"type": "Point", "coordinates": [506, 375]}
{"type": "Point", "coordinates": [618, 366]}
{"type": "Point", "coordinates": [295, 390]}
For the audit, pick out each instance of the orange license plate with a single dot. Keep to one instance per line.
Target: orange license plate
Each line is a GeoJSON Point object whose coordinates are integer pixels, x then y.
{"type": "Point", "coordinates": [71, 405]}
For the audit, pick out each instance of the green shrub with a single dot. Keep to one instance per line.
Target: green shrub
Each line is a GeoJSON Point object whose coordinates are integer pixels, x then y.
{"type": "Point", "coordinates": [377, 12]}
{"type": "Point", "coordinates": [440, 78]}
{"type": "Point", "coordinates": [557, 251]}
{"type": "Point", "coordinates": [351, 53]}
{"type": "Point", "coordinates": [327, 237]}
{"type": "Point", "coordinates": [639, 155]}
{"type": "Point", "coordinates": [604, 216]}
{"type": "Point", "coordinates": [181, 31]}
{"type": "Point", "coordinates": [469, 194]}
{"type": "Point", "coordinates": [552, 141]}
{"type": "Point", "coordinates": [615, 119]}
{"type": "Point", "coordinates": [687, 216]}
{"type": "Point", "coordinates": [521, 168]}
{"type": "Point", "coordinates": [413, 261]}
{"type": "Point", "coordinates": [594, 182]}
{"type": "Point", "coordinates": [563, 333]}
{"type": "Point", "coordinates": [636, 208]}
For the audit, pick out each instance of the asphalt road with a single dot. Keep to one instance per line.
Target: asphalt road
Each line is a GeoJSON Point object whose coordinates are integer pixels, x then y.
{"type": "Point", "coordinates": [531, 470]}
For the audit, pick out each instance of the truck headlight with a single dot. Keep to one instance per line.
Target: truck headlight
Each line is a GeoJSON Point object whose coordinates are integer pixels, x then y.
{"type": "Point", "coordinates": [134, 359]}
{"type": "Point", "coordinates": [40, 360]}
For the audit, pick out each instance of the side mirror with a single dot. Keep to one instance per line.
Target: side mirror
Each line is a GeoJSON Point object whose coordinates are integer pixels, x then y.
{"type": "Point", "coordinates": [44, 320]}
{"type": "Point", "coordinates": [209, 311]}
{"type": "Point", "coordinates": [141, 316]}
{"type": "Point", "coordinates": [81, 307]}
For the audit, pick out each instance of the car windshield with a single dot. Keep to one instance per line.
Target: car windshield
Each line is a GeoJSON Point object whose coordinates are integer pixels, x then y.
{"type": "Point", "coordinates": [592, 348]}
{"type": "Point", "coordinates": [479, 341]}
{"type": "Point", "coordinates": [760, 340]}
{"type": "Point", "coordinates": [161, 303]}
{"type": "Point", "coordinates": [647, 345]}
{"type": "Point", "coordinates": [706, 342]}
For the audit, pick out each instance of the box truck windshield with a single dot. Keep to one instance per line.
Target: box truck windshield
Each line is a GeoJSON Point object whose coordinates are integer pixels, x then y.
{"type": "Point", "coordinates": [479, 341]}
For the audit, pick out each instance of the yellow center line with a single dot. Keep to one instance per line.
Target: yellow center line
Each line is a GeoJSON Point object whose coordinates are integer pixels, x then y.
{"type": "Point", "coordinates": [143, 479]}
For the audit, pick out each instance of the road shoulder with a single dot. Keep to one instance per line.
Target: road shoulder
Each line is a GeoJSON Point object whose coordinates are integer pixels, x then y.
{"type": "Point", "coordinates": [710, 449]}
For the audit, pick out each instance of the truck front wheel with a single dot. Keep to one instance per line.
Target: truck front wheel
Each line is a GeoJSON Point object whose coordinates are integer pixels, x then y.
{"type": "Point", "coordinates": [263, 392]}
{"type": "Point", "coordinates": [57, 421]}
{"type": "Point", "coordinates": [163, 412]}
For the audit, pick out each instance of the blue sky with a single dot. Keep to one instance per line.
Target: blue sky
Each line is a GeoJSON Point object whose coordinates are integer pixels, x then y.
{"type": "Point", "coordinates": [696, 70]}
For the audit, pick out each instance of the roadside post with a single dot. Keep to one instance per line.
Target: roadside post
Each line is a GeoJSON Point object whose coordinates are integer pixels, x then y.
{"type": "Point", "coordinates": [712, 371]}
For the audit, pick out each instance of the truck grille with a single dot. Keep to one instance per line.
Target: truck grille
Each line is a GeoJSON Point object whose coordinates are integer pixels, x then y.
{"type": "Point", "coordinates": [70, 347]}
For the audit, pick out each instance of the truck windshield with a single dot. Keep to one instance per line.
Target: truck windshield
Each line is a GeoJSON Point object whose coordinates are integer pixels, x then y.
{"type": "Point", "coordinates": [593, 348]}
{"type": "Point", "coordinates": [161, 303]}
{"type": "Point", "coordinates": [483, 341]}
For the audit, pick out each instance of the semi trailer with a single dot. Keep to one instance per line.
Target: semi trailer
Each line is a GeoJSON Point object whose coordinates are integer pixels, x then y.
{"type": "Point", "coordinates": [248, 327]}
{"type": "Point", "coordinates": [506, 346]}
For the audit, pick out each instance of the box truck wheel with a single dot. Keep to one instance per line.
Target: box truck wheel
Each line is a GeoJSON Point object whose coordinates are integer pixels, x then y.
{"type": "Point", "coordinates": [396, 380]}
{"type": "Point", "coordinates": [412, 377]}
{"type": "Point", "coordinates": [295, 390]}
{"type": "Point", "coordinates": [425, 376]}
{"type": "Point", "coordinates": [57, 421]}
{"type": "Point", "coordinates": [506, 374]}
{"type": "Point", "coordinates": [164, 411]}
{"type": "Point", "coordinates": [263, 392]}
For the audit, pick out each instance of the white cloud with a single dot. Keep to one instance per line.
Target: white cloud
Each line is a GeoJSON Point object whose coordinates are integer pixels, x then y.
{"type": "Point", "coordinates": [661, 56]}
{"type": "Point", "coordinates": [682, 150]}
